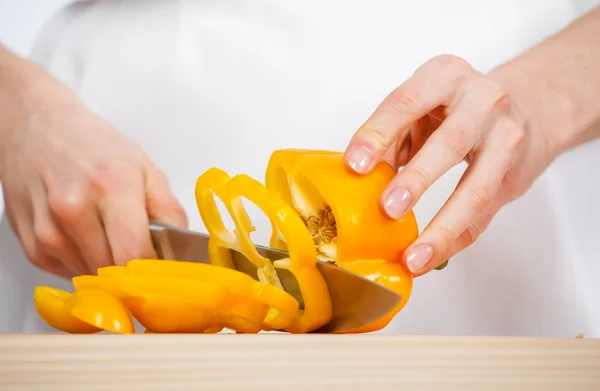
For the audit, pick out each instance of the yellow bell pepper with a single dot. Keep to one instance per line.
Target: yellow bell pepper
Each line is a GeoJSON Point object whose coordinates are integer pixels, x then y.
{"type": "Point", "coordinates": [302, 261]}
{"type": "Point", "coordinates": [340, 209]}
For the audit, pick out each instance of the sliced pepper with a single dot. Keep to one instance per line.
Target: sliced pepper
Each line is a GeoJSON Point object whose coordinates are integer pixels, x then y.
{"type": "Point", "coordinates": [284, 304]}
{"type": "Point", "coordinates": [210, 184]}
{"type": "Point", "coordinates": [167, 304]}
{"type": "Point", "coordinates": [342, 214]}
{"type": "Point", "coordinates": [50, 305]}
{"type": "Point", "coordinates": [109, 271]}
{"type": "Point", "coordinates": [83, 312]}
{"type": "Point", "coordinates": [302, 261]}
{"type": "Point", "coordinates": [101, 281]}
{"type": "Point", "coordinates": [101, 309]}
{"type": "Point", "coordinates": [166, 297]}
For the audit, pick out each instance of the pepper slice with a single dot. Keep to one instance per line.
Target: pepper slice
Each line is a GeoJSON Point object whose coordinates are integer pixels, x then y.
{"type": "Point", "coordinates": [237, 283]}
{"type": "Point", "coordinates": [342, 213]}
{"type": "Point", "coordinates": [102, 309]}
{"type": "Point", "coordinates": [185, 305]}
{"type": "Point", "coordinates": [50, 305]}
{"type": "Point", "coordinates": [210, 184]}
{"type": "Point", "coordinates": [83, 312]}
{"type": "Point", "coordinates": [302, 262]}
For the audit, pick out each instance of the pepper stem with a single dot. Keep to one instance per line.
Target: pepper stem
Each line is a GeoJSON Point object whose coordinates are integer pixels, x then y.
{"type": "Point", "coordinates": [442, 266]}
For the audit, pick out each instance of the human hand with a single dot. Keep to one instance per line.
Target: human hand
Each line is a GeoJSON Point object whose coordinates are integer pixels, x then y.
{"type": "Point", "coordinates": [447, 112]}
{"type": "Point", "coordinates": [78, 193]}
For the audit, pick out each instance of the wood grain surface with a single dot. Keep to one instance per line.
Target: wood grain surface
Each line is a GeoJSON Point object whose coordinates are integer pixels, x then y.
{"type": "Point", "coordinates": [295, 362]}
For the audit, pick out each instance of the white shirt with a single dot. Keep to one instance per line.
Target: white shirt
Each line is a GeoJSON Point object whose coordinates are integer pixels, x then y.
{"type": "Point", "coordinates": [202, 84]}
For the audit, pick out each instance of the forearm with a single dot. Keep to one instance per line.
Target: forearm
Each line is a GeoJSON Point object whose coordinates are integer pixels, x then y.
{"type": "Point", "coordinates": [13, 106]}
{"type": "Point", "coordinates": [556, 84]}
{"type": "Point", "coordinates": [25, 88]}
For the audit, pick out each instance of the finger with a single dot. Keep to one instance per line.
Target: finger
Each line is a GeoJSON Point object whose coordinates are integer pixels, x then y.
{"type": "Point", "coordinates": [50, 237]}
{"type": "Point", "coordinates": [475, 229]}
{"type": "Point", "coordinates": [399, 148]}
{"type": "Point", "coordinates": [445, 148]}
{"type": "Point", "coordinates": [22, 225]}
{"type": "Point", "coordinates": [412, 142]}
{"type": "Point", "coordinates": [401, 151]}
{"type": "Point", "coordinates": [433, 84]}
{"type": "Point", "coordinates": [52, 265]}
{"type": "Point", "coordinates": [470, 199]}
{"type": "Point", "coordinates": [126, 221]}
{"type": "Point", "coordinates": [76, 212]}
{"type": "Point", "coordinates": [161, 203]}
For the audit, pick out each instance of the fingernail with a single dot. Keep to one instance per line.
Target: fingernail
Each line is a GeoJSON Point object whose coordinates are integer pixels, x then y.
{"type": "Point", "coordinates": [418, 257]}
{"type": "Point", "coordinates": [360, 159]}
{"type": "Point", "coordinates": [397, 203]}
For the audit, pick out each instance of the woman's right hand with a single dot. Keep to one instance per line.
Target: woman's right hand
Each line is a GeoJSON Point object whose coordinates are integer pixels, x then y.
{"type": "Point", "coordinates": [78, 193]}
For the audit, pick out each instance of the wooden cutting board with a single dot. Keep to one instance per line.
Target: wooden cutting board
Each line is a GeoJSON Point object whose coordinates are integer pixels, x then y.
{"type": "Point", "coordinates": [286, 362]}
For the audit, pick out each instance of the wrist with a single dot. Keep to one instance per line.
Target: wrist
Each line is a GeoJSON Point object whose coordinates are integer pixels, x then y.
{"type": "Point", "coordinates": [541, 107]}
{"type": "Point", "coordinates": [555, 85]}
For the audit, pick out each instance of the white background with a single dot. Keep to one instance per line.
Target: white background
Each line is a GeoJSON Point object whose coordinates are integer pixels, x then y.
{"type": "Point", "coordinates": [21, 20]}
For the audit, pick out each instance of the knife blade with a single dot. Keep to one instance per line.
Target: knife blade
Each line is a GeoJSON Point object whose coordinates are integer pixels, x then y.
{"type": "Point", "coordinates": [356, 300]}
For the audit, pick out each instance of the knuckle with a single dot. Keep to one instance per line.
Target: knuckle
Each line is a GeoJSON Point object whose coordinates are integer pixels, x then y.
{"type": "Point", "coordinates": [497, 97]}
{"type": "Point", "coordinates": [446, 237]}
{"type": "Point", "coordinates": [376, 137]}
{"type": "Point", "coordinates": [445, 59]}
{"type": "Point", "coordinates": [33, 255]}
{"type": "Point", "coordinates": [177, 208]}
{"type": "Point", "coordinates": [420, 178]}
{"type": "Point", "coordinates": [449, 60]}
{"type": "Point", "coordinates": [471, 234]}
{"type": "Point", "coordinates": [404, 102]}
{"type": "Point", "coordinates": [481, 197]}
{"type": "Point", "coordinates": [116, 175]}
{"type": "Point", "coordinates": [137, 156]}
{"type": "Point", "coordinates": [38, 259]}
{"type": "Point", "coordinates": [48, 236]}
{"type": "Point", "coordinates": [514, 137]}
{"type": "Point", "coordinates": [500, 98]}
{"type": "Point", "coordinates": [106, 179]}
{"type": "Point", "coordinates": [456, 141]}
{"type": "Point", "coordinates": [68, 205]}
{"type": "Point", "coordinates": [489, 96]}
{"type": "Point", "coordinates": [457, 66]}
{"type": "Point", "coordinates": [163, 176]}
{"type": "Point", "coordinates": [509, 187]}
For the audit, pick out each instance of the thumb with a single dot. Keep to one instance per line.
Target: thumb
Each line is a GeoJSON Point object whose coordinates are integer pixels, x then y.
{"type": "Point", "coordinates": [161, 204]}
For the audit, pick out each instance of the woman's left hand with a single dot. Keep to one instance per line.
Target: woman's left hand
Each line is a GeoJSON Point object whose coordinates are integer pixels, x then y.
{"type": "Point", "coordinates": [447, 112]}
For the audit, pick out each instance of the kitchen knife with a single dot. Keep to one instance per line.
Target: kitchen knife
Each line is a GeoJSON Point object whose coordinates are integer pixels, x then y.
{"type": "Point", "coordinates": [356, 300]}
